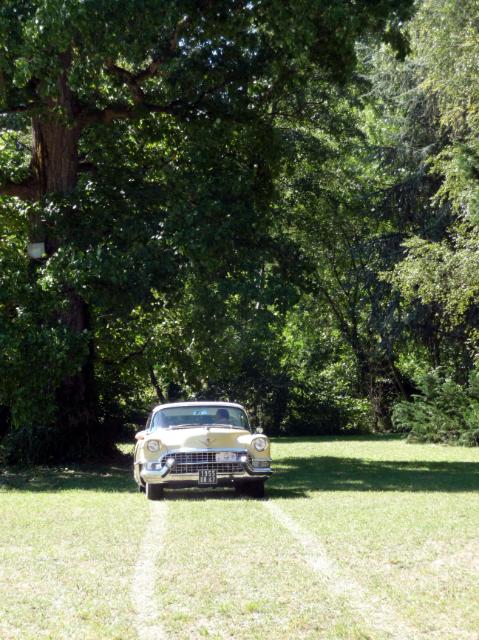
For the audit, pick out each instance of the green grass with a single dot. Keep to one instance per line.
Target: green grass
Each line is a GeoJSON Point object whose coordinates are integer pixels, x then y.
{"type": "Point", "coordinates": [67, 551]}
{"type": "Point", "coordinates": [401, 520]}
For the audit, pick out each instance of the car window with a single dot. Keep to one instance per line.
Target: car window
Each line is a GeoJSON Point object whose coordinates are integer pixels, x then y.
{"type": "Point", "coordinates": [200, 416]}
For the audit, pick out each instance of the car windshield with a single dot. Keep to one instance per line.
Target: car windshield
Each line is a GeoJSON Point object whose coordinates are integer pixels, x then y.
{"type": "Point", "coordinates": [184, 417]}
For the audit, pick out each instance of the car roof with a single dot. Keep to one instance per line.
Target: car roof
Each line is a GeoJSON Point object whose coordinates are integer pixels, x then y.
{"type": "Point", "coordinates": [213, 403]}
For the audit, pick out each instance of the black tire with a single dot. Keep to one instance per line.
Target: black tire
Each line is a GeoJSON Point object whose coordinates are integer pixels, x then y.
{"type": "Point", "coordinates": [240, 488]}
{"type": "Point", "coordinates": [141, 488]}
{"type": "Point", "coordinates": [253, 488]}
{"type": "Point", "coordinates": [256, 489]}
{"type": "Point", "coordinates": [154, 491]}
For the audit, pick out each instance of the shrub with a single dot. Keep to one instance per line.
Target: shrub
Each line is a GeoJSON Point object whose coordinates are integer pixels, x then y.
{"type": "Point", "coordinates": [443, 411]}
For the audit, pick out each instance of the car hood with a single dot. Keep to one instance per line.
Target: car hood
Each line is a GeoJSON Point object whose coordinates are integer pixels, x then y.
{"type": "Point", "coordinates": [203, 438]}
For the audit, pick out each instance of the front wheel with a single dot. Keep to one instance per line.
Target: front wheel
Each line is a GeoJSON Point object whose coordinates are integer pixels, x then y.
{"type": "Point", "coordinates": [154, 491]}
{"type": "Point", "coordinates": [240, 488]}
{"type": "Point", "coordinates": [253, 488]}
{"type": "Point", "coordinates": [256, 489]}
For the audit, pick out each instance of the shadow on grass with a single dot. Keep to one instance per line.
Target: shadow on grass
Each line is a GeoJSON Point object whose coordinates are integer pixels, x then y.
{"type": "Point", "coordinates": [296, 476]}
{"type": "Point", "coordinates": [84, 478]}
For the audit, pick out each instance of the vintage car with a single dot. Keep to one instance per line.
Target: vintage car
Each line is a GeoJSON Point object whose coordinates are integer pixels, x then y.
{"type": "Point", "coordinates": [201, 444]}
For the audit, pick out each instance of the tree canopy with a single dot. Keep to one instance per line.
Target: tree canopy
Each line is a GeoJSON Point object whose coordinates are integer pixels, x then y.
{"type": "Point", "coordinates": [273, 203]}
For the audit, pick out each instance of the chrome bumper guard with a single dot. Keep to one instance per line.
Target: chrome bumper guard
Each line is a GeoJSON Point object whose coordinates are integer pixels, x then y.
{"type": "Point", "coordinates": [259, 471]}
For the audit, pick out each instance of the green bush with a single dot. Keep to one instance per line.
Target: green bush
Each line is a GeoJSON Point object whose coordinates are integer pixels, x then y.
{"type": "Point", "coordinates": [443, 411]}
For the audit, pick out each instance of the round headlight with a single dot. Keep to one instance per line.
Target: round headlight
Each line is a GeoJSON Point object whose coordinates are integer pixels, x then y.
{"type": "Point", "coordinates": [260, 444]}
{"type": "Point", "coordinates": [153, 445]}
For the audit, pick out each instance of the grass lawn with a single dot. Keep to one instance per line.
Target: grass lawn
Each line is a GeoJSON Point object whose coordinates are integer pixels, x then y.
{"type": "Point", "coordinates": [400, 521]}
{"type": "Point", "coordinates": [404, 520]}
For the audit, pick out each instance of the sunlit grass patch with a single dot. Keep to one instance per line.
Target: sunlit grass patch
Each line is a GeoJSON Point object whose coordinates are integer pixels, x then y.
{"type": "Point", "coordinates": [229, 571]}
{"type": "Point", "coordinates": [404, 518]}
{"type": "Point", "coordinates": [67, 545]}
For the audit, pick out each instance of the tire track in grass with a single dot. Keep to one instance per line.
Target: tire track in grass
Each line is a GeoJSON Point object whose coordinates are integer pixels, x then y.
{"type": "Point", "coordinates": [147, 615]}
{"type": "Point", "coordinates": [377, 613]}
{"type": "Point", "coordinates": [237, 575]}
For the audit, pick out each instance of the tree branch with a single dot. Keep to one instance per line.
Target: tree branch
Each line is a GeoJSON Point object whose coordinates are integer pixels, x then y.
{"type": "Point", "coordinates": [142, 107]}
{"type": "Point", "coordinates": [128, 356]}
{"type": "Point", "coordinates": [156, 385]}
{"type": "Point", "coordinates": [124, 112]}
{"type": "Point", "coordinates": [179, 26]}
{"type": "Point", "coordinates": [25, 100]}
{"type": "Point", "coordinates": [129, 79]}
{"type": "Point", "coordinates": [133, 80]}
{"type": "Point", "coordinates": [18, 108]}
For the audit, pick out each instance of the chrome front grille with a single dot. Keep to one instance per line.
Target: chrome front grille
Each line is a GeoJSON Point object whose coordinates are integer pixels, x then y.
{"type": "Point", "coordinates": [193, 461]}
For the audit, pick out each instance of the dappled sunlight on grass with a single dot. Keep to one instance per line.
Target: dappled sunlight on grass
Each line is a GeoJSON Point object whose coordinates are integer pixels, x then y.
{"type": "Point", "coordinates": [298, 475]}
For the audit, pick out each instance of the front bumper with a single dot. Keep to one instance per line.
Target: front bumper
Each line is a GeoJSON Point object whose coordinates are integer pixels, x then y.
{"type": "Point", "coordinates": [167, 475]}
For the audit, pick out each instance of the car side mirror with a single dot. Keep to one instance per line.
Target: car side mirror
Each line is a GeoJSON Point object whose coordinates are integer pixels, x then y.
{"type": "Point", "coordinates": [140, 435]}
{"type": "Point", "coordinates": [258, 430]}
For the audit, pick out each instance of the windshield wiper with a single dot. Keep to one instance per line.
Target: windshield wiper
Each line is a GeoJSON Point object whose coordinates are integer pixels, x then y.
{"type": "Point", "coordinates": [183, 426]}
{"type": "Point", "coordinates": [222, 424]}
{"type": "Point", "coordinates": [188, 425]}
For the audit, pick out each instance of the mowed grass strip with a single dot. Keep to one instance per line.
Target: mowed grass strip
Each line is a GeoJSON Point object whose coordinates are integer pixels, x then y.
{"type": "Point", "coordinates": [228, 571]}
{"type": "Point", "coordinates": [402, 518]}
{"type": "Point", "coordinates": [68, 543]}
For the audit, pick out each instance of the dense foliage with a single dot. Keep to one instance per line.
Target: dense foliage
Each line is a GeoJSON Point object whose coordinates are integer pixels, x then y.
{"type": "Point", "coordinates": [443, 411]}
{"type": "Point", "coordinates": [274, 204]}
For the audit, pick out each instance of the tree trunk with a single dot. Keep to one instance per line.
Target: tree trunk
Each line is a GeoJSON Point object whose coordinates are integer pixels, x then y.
{"type": "Point", "coordinates": [55, 156]}
{"type": "Point", "coordinates": [76, 398]}
{"type": "Point", "coordinates": [55, 170]}
{"type": "Point", "coordinates": [279, 405]}
{"type": "Point", "coordinates": [156, 386]}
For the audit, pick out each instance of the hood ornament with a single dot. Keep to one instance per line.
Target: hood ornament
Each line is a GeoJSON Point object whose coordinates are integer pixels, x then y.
{"type": "Point", "coordinates": [208, 440]}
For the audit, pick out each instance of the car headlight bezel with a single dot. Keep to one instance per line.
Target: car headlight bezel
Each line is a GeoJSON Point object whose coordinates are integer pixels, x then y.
{"type": "Point", "coordinates": [153, 446]}
{"type": "Point", "coordinates": [260, 444]}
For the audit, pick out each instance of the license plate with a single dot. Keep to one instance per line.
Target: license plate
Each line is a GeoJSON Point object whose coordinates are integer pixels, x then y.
{"type": "Point", "coordinates": [226, 456]}
{"type": "Point", "coordinates": [207, 477]}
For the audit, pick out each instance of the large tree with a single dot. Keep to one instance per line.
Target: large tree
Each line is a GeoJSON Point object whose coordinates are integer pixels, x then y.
{"type": "Point", "coordinates": [68, 66]}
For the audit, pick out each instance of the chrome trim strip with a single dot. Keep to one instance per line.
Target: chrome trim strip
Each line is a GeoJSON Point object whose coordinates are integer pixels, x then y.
{"type": "Point", "coordinates": [181, 464]}
{"type": "Point", "coordinates": [155, 477]}
{"type": "Point", "coordinates": [211, 449]}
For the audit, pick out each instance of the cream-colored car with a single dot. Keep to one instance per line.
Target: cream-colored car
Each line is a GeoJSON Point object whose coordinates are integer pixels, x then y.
{"type": "Point", "coordinates": [201, 444]}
